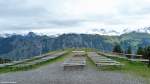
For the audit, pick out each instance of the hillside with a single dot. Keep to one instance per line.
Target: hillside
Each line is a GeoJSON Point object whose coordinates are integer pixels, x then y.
{"type": "Point", "coordinates": [16, 47]}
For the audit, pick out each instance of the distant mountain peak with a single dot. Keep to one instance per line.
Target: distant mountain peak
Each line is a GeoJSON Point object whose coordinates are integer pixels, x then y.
{"type": "Point", "coordinates": [103, 31]}
{"type": "Point", "coordinates": [31, 34]}
{"type": "Point", "coordinates": [120, 31]}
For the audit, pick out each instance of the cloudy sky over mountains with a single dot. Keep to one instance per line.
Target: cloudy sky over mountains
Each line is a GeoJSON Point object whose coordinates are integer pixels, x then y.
{"type": "Point", "coordinates": [68, 16]}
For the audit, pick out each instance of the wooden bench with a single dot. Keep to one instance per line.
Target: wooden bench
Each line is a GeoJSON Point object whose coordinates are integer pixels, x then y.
{"type": "Point", "coordinates": [100, 60]}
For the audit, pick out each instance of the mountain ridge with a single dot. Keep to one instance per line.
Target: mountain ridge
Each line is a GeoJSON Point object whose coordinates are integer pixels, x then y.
{"type": "Point", "coordinates": [100, 31]}
{"type": "Point", "coordinates": [17, 47]}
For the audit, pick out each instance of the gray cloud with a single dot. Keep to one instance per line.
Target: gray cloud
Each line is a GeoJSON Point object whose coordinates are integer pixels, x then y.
{"type": "Point", "coordinates": [19, 15]}
{"type": "Point", "coordinates": [63, 23]}
{"type": "Point", "coordinates": [22, 15]}
{"type": "Point", "coordinates": [19, 8]}
{"type": "Point", "coordinates": [41, 24]}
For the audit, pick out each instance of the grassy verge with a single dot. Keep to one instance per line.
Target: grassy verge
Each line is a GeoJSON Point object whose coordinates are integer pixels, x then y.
{"type": "Point", "coordinates": [137, 68]}
{"type": "Point", "coordinates": [88, 49]}
{"type": "Point", "coordinates": [90, 63]}
{"type": "Point", "coordinates": [29, 67]}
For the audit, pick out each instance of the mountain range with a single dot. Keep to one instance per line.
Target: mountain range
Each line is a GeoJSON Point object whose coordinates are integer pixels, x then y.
{"type": "Point", "coordinates": [17, 47]}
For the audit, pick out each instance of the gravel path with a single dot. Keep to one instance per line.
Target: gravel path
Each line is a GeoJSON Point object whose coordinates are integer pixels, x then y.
{"type": "Point", "coordinates": [54, 74]}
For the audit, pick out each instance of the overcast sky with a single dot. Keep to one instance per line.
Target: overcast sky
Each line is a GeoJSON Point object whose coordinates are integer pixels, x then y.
{"type": "Point", "coordinates": [72, 16]}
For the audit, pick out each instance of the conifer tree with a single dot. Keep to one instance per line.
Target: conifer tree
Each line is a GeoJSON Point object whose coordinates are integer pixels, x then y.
{"type": "Point", "coordinates": [117, 49]}
{"type": "Point", "coordinates": [140, 51]}
{"type": "Point", "coordinates": [129, 50]}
